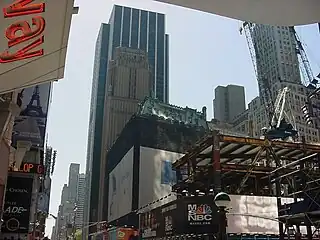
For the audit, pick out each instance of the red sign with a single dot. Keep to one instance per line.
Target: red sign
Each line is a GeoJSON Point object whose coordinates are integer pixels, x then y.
{"type": "Point", "coordinates": [29, 168]}
{"type": "Point", "coordinates": [20, 32]}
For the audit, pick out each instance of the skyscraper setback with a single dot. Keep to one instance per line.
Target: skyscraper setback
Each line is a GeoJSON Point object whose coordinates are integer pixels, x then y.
{"type": "Point", "coordinates": [128, 28]}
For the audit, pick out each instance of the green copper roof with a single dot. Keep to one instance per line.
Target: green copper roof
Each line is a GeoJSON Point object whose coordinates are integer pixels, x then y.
{"type": "Point", "coordinates": [173, 113]}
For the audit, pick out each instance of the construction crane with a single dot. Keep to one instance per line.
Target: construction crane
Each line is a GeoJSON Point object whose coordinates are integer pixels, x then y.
{"type": "Point", "coordinates": [308, 78]}
{"type": "Point", "coordinates": [283, 125]}
{"type": "Point", "coordinates": [264, 85]}
{"type": "Point", "coordinates": [254, 53]}
{"type": "Point", "coordinates": [309, 109]}
{"type": "Point", "coordinates": [281, 120]}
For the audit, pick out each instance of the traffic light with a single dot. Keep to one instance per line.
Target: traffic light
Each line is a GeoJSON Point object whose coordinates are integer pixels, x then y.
{"type": "Point", "coordinates": [307, 113]}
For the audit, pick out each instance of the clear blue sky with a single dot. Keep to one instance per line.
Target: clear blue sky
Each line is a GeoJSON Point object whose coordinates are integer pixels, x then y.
{"type": "Point", "coordinates": [205, 51]}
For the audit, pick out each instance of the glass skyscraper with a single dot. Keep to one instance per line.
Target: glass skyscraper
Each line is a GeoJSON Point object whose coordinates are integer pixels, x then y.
{"type": "Point", "coordinates": [145, 30]}
{"type": "Point", "coordinates": [127, 27]}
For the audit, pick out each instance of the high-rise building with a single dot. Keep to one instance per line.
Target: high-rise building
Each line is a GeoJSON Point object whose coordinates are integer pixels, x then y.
{"type": "Point", "coordinates": [70, 211]}
{"type": "Point", "coordinates": [66, 212]}
{"type": "Point", "coordinates": [73, 181]}
{"type": "Point", "coordinates": [139, 29]}
{"type": "Point", "coordinates": [129, 83]}
{"type": "Point", "coordinates": [80, 200]}
{"type": "Point", "coordinates": [277, 67]}
{"type": "Point", "coordinates": [96, 113]}
{"type": "Point", "coordinates": [64, 194]}
{"type": "Point", "coordinates": [130, 28]}
{"type": "Point", "coordinates": [59, 223]}
{"type": "Point", "coordinates": [62, 215]}
{"type": "Point", "coordinates": [277, 59]}
{"type": "Point", "coordinates": [229, 102]}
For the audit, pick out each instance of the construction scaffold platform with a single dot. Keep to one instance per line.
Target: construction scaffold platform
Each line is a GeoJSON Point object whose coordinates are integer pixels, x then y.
{"type": "Point", "coordinates": [253, 166]}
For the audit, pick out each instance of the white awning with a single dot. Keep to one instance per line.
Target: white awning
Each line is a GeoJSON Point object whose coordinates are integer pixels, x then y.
{"type": "Point", "coordinates": [272, 12]}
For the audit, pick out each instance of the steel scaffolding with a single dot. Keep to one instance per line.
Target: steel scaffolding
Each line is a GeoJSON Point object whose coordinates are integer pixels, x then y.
{"type": "Point", "coordinates": [252, 166]}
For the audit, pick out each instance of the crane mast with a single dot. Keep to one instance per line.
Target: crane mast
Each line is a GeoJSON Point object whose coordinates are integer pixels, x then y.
{"type": "Point", "coordinates": [283, 110]}
{"type": "Point", "coordinates": [263, 83]}
{"type": "Point", "coordinates": [305, 67]}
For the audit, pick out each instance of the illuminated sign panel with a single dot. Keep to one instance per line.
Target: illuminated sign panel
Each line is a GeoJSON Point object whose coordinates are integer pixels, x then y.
{"type": "Point", "coordinates": [16, 211]}
{"type": "Point", "coordinates": [28, 168]}
{"type": "Point", "coordinates": [33, 41]}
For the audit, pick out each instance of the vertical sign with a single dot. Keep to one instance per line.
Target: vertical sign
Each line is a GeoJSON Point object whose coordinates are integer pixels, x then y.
{"type": "Point", "coordinates": [17, 204]}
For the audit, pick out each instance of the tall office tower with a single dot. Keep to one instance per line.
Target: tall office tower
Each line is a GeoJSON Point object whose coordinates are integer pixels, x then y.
{"type": "Point", "coordinates": [139, 29]}
{"type": "Point", "coordinates": [277, 59]}
{"type": "Point", "coordinates": [62, 213]}
{"type": "Point", "coordinates": [59, 222]}
{"type": "Point", "coordinates": [80, 201]}
{"type": "Point", "coordinates": [229, 102]}
{"type": "Point", "coordinates": [278, 67]}
{"type": "Point", "coordinates": [133, 28]}
{"type": "Point", "coordinates": [73, 181]}
{"type": "Point", "coordinates": [64, 194]}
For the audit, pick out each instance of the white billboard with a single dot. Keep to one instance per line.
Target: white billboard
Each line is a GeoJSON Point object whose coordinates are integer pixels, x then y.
{"type": "Point", "coordinates": [33, 41]}
{"type": "Point", "coordinates": [120, 188]}
{"type": "Point", "coordinates": [155, 175]}
{"type": "Point", "coordinates": [255, 214]}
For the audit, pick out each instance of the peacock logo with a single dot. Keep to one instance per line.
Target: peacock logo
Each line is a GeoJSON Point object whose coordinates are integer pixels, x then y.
{"type": "Point", "coordinates": [203, 209]}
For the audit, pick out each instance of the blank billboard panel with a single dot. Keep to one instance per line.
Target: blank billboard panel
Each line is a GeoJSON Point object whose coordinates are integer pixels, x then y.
{"type": "Point", "coordinates": [120, 188]}
{"type": "Point", "coordinates": [156, 175]}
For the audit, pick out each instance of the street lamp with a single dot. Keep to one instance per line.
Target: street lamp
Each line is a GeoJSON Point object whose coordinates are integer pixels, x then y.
{"type": "Point", "coordinates": [222, 200]}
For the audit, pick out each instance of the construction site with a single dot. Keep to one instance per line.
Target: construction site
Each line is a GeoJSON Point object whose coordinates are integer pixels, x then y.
{"type": "Point", "coordinates": [278, 158]}
{"type": "Point", "coordinates": [278, 161]}
{"type": "Point", "coordinates": [263, 168]}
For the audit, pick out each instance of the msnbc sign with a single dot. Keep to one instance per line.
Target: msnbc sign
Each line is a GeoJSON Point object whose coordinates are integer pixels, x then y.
{"type": "Point", "coordinates": [199, 214]}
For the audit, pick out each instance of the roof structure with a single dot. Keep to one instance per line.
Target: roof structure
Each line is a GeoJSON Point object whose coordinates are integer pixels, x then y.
{"type": "Point", "coordinates": [241, 150]}
{"type": "Point", "coordinates": [189, 116]}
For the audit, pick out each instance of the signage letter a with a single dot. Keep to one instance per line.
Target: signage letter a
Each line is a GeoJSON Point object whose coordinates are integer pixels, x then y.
{"type": "Point", "coordinates": [23, 53]}
{"type": "Point", "coordinates": [21, 7]}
